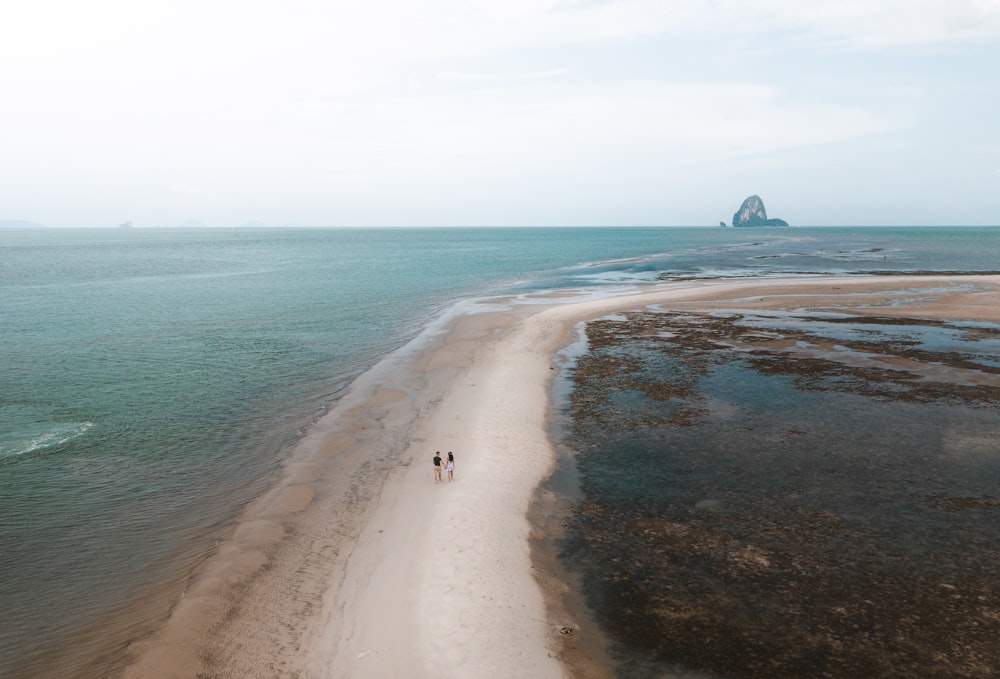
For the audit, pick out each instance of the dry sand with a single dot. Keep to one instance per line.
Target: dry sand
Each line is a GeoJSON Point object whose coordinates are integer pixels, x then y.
{"type": "Point", "coordinates": [359, 565]}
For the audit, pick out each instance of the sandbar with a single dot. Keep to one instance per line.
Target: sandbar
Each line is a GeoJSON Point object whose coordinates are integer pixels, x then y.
{"type": "Point", "coordinates": [359, 565]}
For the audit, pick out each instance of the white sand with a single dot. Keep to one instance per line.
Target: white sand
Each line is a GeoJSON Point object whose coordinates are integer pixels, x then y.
{"type": "Point", "coordinates": [361, 566]}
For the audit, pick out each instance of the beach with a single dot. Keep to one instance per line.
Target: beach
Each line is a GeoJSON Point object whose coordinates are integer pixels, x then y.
{"type": "Point", "coordinates": [359, 565]}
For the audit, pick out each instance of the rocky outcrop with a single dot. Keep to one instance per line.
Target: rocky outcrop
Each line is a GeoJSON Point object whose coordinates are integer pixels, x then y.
{"type": "Point", "coordinates": [752, 213]}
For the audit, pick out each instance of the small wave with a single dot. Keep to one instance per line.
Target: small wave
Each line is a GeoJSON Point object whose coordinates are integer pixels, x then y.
{"type": "Point", "coordinates": [52, 434]}
{"type": "Point", "coordinates": [615, 277]}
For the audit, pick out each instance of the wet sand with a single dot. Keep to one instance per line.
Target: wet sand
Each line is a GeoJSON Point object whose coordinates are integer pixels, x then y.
{"type": "Point", "coordinates": [359, 565]}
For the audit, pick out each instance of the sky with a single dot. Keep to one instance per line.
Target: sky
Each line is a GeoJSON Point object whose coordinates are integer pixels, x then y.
{"type": "Point", "coordinates": [512, 112]}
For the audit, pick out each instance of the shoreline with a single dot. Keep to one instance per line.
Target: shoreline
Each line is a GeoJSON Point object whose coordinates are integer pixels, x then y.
{"type": "Point", "coordinates": [358, 565]}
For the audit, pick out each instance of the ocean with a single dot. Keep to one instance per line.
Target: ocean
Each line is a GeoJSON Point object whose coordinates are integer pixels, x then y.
{"type": "Point", "coordinates": [153, 380]}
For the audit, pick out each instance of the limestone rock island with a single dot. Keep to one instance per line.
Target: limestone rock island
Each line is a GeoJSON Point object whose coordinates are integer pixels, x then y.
{"type": "Point", "coordinates": [752, 213]}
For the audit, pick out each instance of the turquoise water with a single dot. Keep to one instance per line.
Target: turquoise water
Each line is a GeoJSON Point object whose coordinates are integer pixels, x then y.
{"type": "Point", "coordinates": [153, 380]}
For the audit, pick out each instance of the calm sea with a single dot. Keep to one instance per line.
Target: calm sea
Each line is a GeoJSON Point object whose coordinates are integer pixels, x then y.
{"type": "Point", "coordinates": [151, 381]}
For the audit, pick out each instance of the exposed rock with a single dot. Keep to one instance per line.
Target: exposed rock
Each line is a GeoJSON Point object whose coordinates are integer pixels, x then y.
{"type": "Point", "coordinates": [752, 213]}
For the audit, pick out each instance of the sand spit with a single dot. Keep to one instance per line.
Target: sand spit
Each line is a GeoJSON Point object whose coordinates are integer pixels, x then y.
{"type": "Point", "coordinates": [359, 565]}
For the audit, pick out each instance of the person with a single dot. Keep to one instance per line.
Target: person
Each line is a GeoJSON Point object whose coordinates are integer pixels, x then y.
{"type": "Point", "coordinates": [450, 466]}
{"type": "Point", "coordinates": [437, 467]}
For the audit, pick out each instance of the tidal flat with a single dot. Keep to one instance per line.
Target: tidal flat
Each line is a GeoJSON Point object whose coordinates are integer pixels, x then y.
{"type": "Point", "coordinates": [775, 493]}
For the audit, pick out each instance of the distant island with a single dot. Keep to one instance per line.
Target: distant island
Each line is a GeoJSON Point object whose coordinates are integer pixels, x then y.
{"type": "Point", "coordinates": [752, 213]}
{"type": "Point", "coordinates": [19, 224]}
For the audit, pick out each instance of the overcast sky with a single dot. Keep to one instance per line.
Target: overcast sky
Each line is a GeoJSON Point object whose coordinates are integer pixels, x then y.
{"type": "Point", "coordinates": [499, 112]}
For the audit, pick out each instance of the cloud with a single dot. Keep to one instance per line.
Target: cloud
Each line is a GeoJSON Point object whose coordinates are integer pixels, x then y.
{"type": "Point", "coordinates": [457, 76]}
{"type": "Point", "coordinates": [191, 190]}
{"type": "Point", "coordinates": [105, 40]}
{"type": "Point", "coordinates": [150, 56]}
{"type": "Point", "coordinates": [881, 23]}
{"type": "Point", "coordinates": [560, 132]}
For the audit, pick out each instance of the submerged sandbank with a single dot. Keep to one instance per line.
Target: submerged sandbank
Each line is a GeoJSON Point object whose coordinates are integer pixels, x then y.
{"type": "Point", "coordinates": [359, 565]}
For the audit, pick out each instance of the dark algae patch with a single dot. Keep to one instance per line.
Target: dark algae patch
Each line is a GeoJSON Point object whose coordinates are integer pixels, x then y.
{"type": "Point", "coordinates": [789, 495]}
